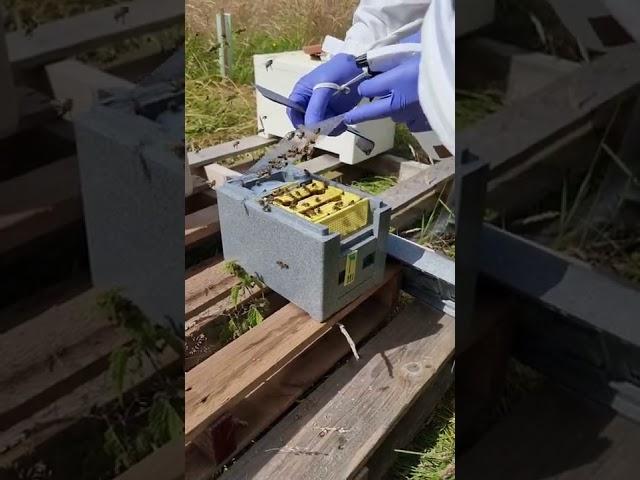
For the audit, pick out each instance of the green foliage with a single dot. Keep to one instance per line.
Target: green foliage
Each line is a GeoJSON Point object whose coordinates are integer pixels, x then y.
{"type": "Point", "coordinates": [375, 185]}
{"type": "Point", "coordinates": [431, 455]}
{"type": "Point", "coordinates": [473, 106]}
{"type": "Point", "coordinates": [139, 425]}
{"type": "Point", "coordinates": [114, 447]}
{"type": "Point", "coordinates": [244, 315]}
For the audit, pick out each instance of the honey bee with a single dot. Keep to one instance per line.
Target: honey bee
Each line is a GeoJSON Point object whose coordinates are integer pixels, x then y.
{"type": "Point", "coordinates": [282, 265]}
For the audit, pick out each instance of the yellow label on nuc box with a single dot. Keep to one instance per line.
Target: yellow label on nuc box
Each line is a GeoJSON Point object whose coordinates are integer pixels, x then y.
{"type": "Point", "coordinates": [350, 269]}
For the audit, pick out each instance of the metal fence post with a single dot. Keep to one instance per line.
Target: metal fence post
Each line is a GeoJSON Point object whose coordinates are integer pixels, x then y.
{"type": "Point", "coordinates": [225, 42]}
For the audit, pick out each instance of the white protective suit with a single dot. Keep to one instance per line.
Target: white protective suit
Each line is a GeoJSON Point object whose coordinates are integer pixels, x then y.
{"type": "Point", "coordinates": [374, 20]}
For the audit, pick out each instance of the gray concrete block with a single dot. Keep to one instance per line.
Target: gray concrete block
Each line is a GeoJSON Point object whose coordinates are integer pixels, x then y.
{"type": "Point", "coordinates": [302, 261]}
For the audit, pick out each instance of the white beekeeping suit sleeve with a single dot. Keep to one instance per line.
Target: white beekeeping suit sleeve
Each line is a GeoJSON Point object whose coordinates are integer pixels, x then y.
{"type": "Point", "coordinates": [437, 80]}
{"type": "Point", "coordinates": [376, 19]}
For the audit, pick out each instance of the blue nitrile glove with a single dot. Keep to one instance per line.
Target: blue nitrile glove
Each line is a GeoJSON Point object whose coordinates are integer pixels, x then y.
{"type": "Point", "coordinates": [397, 90]}
{"type": "Point", "coordinates": [321, 103]}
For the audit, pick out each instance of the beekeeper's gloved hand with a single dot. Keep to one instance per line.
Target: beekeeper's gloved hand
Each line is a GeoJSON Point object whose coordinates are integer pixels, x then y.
{"type": "Point", "coordinates": [321, 103]}
{"type": "Point", "coordinates": [397, 92]}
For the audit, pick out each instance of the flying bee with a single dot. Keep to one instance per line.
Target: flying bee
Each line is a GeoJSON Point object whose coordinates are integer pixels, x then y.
{"type": "Point", "coordinates": [318, 200]}
{"type": "Point", "coordinates": [120, 14]}
{"type": "Point", "coordinates": [290, 135]}
{"type": "Point", "coordinates": [317, 132]}
{"type": "Point", "coordinates": [301, 134]}
{"type": "Point", "coordinates": [282, 265]}
{"type": "Point", "coordinates": [65, 107]}
{"type": "Point", "coordinates": [240, 30]}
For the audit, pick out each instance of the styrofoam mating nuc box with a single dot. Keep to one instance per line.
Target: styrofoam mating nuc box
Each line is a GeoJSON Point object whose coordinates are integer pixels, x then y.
{"type": "Point", "coordinates": [279, 72]}
{"type": "Point", "coordinates": [9, 109]}
{"type": "Point", "coordinates": [130, 153]}
{"type": "Point", "coordinates": [305, 262]}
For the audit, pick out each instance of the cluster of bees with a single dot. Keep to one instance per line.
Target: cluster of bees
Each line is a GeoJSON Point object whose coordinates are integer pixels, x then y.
{"type": "Point", "coordinates": [308, 200]}
{"type": "Point", "coordinates": [295, 147]}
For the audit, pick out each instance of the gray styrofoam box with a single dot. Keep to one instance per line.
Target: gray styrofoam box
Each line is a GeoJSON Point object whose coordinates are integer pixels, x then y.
{"type": "Point", "coordinates": [133, 195]}
{"type": "Point", "coordinates": [261, 241]}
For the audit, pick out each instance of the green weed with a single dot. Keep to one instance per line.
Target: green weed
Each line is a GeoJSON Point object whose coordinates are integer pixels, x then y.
{"type": "Point", "coordinates": [375, 185]}
{"type": "Point", "coordinates": [246, 315]}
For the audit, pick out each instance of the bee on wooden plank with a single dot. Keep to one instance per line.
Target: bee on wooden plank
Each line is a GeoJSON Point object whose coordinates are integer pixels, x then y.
{"type": "Point", "coordinates": [236, 143]}
{"type": "Point", "coordinates": [121, 13]}
{"type": "Point", "coordinates": [268, 64]}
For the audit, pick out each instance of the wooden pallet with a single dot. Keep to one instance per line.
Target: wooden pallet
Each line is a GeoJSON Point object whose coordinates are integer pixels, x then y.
{"type": "Point", "coordinates": [238, 391]}
{"type": "Point", "coordinates": [54, 342]}
{"type": "Point", "coordinates": [56, 369]}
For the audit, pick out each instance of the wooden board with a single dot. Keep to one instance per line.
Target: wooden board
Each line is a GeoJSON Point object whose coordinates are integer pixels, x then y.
{"type": "Point", "coordinates": [67, 37]}
{"type": "Point", "coordinates": [206, 284]}
{"type": "Point", "coordinates": [515, 133]}
{"type": "Point", "coordinates": [271, 399]}
{"type": "Point", "coordinates": [226, 150]}
{"type": "Point", "coordinates": [79, 82]}
{"type": "Point", "coordinates": [554, 434]}
{"type": "Point", "coordinates": [166, 463]}
{"type": "Point", "coordinates": [358, 406]}
{"type": "Point", "coordinates": [245, 363]}
{"type": "Point", "coordinates": [56, 416]}
{"type": "Point", "coordinates": [201, 224]}
{"type": "Point", "coordinates": [53, 353]}
{"type": "Point", "coordinates": [39, 202]}
{"type": "Point", "coordinates": [419, 186]}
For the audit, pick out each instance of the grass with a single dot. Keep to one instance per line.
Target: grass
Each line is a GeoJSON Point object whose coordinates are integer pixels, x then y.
{"type": "Point", "coordinates": [473, 106]}
{"type": "Point", "coordinates": [431, 454]}
{"type": "Point", "coordinates": [375, 185]}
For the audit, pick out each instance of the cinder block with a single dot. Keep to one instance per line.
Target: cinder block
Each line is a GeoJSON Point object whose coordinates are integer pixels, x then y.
{"type": "Point", "coordinates": [302, 261]}
{"type": "Point", "coordinates": [131, 157]}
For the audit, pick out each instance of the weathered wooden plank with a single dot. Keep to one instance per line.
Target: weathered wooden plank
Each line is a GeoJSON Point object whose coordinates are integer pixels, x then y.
{"type": "Point", "coordinates": [206, 284]}
{"type": "Point", "coordinates": [79, 82]}
{"type": "Point", "coordinates": [166, 463]}
{"type": "Point", "coordinates": [55, 417]}
{"type": "Point", "coordinates": [515, 133]}
{"type": "Point", "coordinates": [333, 432]}
{"type": "Point", "coordinates": [218, 174]}
{"type": "Point", "coordinates": [419, 186]}
{"type": "Point", "coordinates": [39, 202]}
{"type": "Point", "coordinates": [270, 400]}
{"type": "Point", "coordinates": [226, 150]}
{"type": "Point", "coordinates": [245, 363]}
{"type": "Point", "coordinates": [51, 354]}
{"type": "Point", "coordinates": [70, 36]}
{"type": "Point", "coordinates": [201, 224]}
